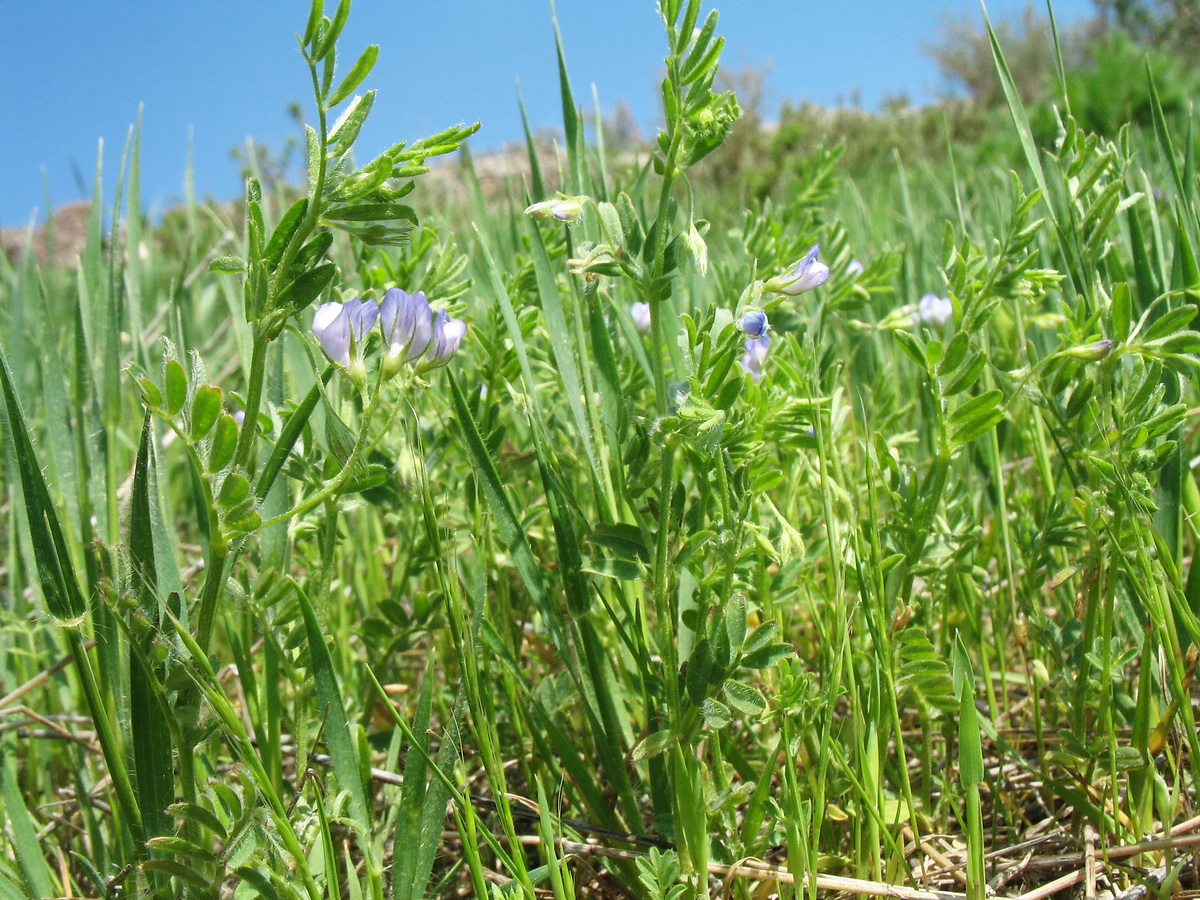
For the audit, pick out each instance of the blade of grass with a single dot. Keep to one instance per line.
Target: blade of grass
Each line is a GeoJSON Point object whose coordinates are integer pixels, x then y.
{"type": "Point", "coordinates": [1167, 146]}
{"type": "Point", "coordinates": [506, 519]}
{"type": "Point", "coordinates": [463, 805]}
{"type": "Point", "coordinates": [560, 344]}
{"type": "Point", "coordinates": [205, 678]}
{"type": "Point", "coordinates": [422, 807]}
{"type": "Point", "coordinates": [64, 598]}
{"type": "Point", "coordinates": [32, 863]}
{"type": "Point", "coordinates": [572, 124]}
{"type": "Point", "coordinates": [149, 734]}
{"type": "Point", "coordinates": [333, 710]}
{"type": "Point", "coordinates": [537, 183]}
{"type": "Point", "coordinates": [970, 762]}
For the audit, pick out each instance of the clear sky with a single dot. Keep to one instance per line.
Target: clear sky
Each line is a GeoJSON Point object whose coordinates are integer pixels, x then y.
{"type": "Point", "coordinates": [212, 74]}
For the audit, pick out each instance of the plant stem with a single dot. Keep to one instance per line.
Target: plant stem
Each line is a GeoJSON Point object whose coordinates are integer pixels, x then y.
{"type": "Point", "coordinates": [113, 756]}
{"type": "Point", "coordinates": [258, 371]}
{"type": "Point", "coordinates": [214, 580]}
{"type": "Point", "coordinates": [334, 484]}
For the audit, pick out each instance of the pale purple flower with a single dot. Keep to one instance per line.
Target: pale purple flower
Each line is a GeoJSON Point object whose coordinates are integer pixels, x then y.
{"type": "Point", "coordinates": [341, 328]}
{"type": "Point", "coordinates": [754, 323]}
{"type": "Point", "coordinates": [756, 354]}
{"type": "Point", "coordinates": [407, 324]}
{"type": "Point", "coordinates": [640, 313]}
{"type": "Point", "coordinates": [804, 276]}
{"type": "Point", "coordinates": [854, 268]}
{"type": "Point", "coordinates": [447, 335]}
{"type": "Point", "coordinates": [934, 310]}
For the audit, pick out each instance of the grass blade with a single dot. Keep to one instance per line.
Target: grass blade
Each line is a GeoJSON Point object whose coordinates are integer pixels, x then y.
{"type": "Point", "coordinates": [59, 585]}
{"type": "Point", "coordinates": [150, 735]}
{"type": "Point", "coordinates": [34, 870]}
{"type": "Point", "coordinates": [560, 342]}
{"type": "Point", "coordinates": [337, 728]}
{"type": "Point", "coordinates": [506, 518]}
{"type": "Point", "coordinates": [423, 803]}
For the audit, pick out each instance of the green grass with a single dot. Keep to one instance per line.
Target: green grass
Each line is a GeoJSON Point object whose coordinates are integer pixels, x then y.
{"type": "Point", "coordinates": [923, 593]}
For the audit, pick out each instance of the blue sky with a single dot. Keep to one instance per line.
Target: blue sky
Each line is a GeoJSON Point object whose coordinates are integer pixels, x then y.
{"type": "Point", "coordinates": [212, 74]}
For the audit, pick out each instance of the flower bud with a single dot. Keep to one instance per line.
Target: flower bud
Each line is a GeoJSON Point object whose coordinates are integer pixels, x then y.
{"type": "Point", "coordinates": [1091, 352]}
{"type": "Point", "coordinates": [804, 276]}
{"type": "Point", "coordinates": [754, 323]}
{"type": "Point", "coordinates": [640, 313]}
{"type": "Point", "coordinates": [694, 241]}
{"type": "Point", "coordinates": [564, 209]}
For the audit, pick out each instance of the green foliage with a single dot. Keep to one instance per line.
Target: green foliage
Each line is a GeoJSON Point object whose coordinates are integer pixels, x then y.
{"type": "Point", "coordinates": [1111, 89]}
{"type": "Point", "coordinates": [601, 577]}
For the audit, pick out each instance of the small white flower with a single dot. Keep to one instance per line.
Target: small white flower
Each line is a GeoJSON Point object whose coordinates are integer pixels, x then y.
{"type": "Point", "coordinates": [934, 310]}
{"type": "Point", "coordinates": [640, 313]}
{"type": "Point", "coordinates": [407, 324]}
{"type": "Point", "coordinates": [756, 354]}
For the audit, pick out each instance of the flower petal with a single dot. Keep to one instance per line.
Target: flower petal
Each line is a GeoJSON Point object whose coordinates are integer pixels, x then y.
{"type": "Point", "coordinates": [335, 336]}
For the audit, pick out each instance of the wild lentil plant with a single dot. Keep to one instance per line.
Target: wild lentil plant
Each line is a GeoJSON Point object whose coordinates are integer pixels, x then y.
{"type": "Point", "coordinates": [149, 715]}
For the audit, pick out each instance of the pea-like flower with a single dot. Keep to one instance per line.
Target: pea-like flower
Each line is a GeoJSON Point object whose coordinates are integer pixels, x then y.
{"type": "Point", "coordinates": [854, 268]}
{"type": "Point", "coordinates": [564, 209]}
{"type": "Point", "coordinates": [341, 329]}
{"type": "Point", "coordinates": [640, 313]}
{"type": "Point", "coordinates": [407, 324]}
{"type": "Point", "coordinates": [414, 334]}
{"type": "Point", "coordinates": [934, 310]}
{"type": "Point", "coordinates": [756, 345]}
{"type": "Point", "coordinates": [804, 276]}
{"type": "Point", "coordinates": [447, 335]}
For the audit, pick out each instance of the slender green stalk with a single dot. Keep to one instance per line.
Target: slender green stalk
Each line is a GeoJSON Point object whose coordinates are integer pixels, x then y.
{"type": "Point", "coordinates": [113, 755]}
{"type": "Point", "coordinates": [210, 595]}
{"type": "Point", "coordinates": [254, 391]}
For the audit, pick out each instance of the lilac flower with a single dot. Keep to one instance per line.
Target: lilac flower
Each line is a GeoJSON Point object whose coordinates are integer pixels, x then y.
{"type": "Point", "coordinates": [854, 268]}
{"type": "Point", "coordinates": [934, 310]}
{"type": "Point", "coordinates": [640, 313]}
{"type": "Point", "coordinates": [341, 329]}
{"type": "Point", "coordinates": [415, 334]}
{"type": "Point", "coordinates": [754, 324]}
{"type": "Point", "coordinates": [806, 275]}
{"type": "Point", "coordinates": [407, 324]}
{"type": "Point", "coordinates": [564, 209]}
{"type": "Point", "coordinates": [447, 335]}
